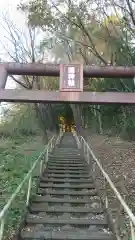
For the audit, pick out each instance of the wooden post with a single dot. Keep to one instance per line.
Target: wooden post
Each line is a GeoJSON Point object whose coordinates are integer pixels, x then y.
{"type": "Point", "coordinates": [3, 76]}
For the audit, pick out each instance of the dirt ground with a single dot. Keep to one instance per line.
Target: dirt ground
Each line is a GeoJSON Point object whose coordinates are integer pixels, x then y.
{"type": "Point", "coordinates": [118, 159]}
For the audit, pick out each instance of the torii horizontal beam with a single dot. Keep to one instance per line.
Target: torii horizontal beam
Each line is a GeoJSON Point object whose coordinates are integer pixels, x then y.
{"type": "Point", "coordinates": [40, 69]}
{"type": "Point", "coordinates": [16, 95]}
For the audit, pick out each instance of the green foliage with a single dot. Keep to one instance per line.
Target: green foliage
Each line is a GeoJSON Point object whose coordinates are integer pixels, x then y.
{"type": "Point", "coordinates": [77, 32]}
{"type": "Point", "coordinates": [19, 120]}
{"type": "Point", "coordinates": [33, 8]}
{"type": "Point", "coordinates": [16, 157]}
{"type": "Point", "coordinates": [20, 145]}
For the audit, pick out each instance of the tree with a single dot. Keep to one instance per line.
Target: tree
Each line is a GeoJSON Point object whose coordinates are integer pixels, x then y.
{"type": "Point", "coordinates": [89, 35]}
{"type": "Point", "coordinates": [26, 48]}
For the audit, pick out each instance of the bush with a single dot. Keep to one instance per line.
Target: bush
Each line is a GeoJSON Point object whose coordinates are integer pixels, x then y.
{"type": "Point", "coordinates": [20, 120]}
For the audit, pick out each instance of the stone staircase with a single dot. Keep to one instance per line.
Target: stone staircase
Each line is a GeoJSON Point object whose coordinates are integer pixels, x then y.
{"type": "Point", "coordinates": [67, 205]}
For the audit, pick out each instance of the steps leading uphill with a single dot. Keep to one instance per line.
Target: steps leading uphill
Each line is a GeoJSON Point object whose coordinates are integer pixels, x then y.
{"type": "Point", "coordinates": [67, 205]}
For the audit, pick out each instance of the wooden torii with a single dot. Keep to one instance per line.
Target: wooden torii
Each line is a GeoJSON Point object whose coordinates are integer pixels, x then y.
{"type": "Point", "coordinates": [71, 83]}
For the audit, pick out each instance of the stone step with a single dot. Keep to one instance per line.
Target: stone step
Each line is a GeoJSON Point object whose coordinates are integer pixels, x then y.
{"type": "Point", "coordinates": [67, 151]}
{"type": "Point", "coordinates": [65, 175]}
{"type": "Point", "coordinates": [36, 207]}
{"type": "Point", "coordinates": [65, 147]}
{"type": "Point", "coordinates": [66, 185]}
{"type": "Point", "coordinates": [66, 171]}
{"type": "Point", "coordinates": [35, 219]}
{"type": "Point", "coordinates": [92, 192]}
{"type": "Point", "coordinates": [66, 168]}
{"type": "Point", "coordinates": [63, 200]}
{"type": "Point", "coordinates": [65, 157]}
{"type": "Point", "coordinates": [66, 161]}
{"type": "Point", "coordinates": [67, 234]}
{"type": "Point", "coordinates": [68, 164]}
{"type": "Point", "coordinates": [46, 179]}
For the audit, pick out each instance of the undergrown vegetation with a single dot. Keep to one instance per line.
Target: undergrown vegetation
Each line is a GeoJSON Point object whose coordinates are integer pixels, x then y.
{"type": "Point", "coordinates": [20, 144]}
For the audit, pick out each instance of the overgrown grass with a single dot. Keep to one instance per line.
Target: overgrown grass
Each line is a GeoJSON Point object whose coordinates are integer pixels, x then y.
{"type": "Point", "coordinates": [16, 157]}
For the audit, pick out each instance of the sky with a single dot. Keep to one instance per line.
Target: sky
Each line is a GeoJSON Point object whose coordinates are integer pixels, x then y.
{"type": "Point", "coordinates": [9, 8]}
{"type": "Point", "coordinates": [18, 18]}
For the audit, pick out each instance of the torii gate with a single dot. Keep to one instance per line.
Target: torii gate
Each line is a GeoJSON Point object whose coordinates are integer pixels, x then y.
{"type": "Point", "coordinates": [71, 83]}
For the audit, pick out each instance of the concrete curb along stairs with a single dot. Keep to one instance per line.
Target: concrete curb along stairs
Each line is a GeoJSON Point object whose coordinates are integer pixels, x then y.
{"type": "Point", "coordinates": [66, 205]}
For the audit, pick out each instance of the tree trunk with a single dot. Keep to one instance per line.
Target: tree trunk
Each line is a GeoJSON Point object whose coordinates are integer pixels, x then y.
{"type": "Point", "coordinates": [41, 123]}
{"type": "Point", "coordinates": [36, 85]}
{"type": "Point", "coordinates": [100, 121]}
{"type": "Point", "coordinates": [77, 118]}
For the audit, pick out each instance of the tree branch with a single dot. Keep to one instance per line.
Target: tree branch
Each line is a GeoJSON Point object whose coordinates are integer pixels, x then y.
{"type": "Point", "coordinates": [20, 83]}
{"type": "Point", "coordinates": [82, 27]}
{"type": "Point", "coordinates": [131, 11]}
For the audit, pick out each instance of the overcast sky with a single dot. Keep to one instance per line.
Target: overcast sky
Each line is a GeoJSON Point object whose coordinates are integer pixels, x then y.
{"type": "Point", "coordinates": [14, 15]}
{"type": "Point", "coordinates": [11, 9]}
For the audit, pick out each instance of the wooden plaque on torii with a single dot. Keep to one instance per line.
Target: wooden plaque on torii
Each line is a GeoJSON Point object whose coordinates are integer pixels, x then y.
{"type": "Point", "coordinates": [71, 77]}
